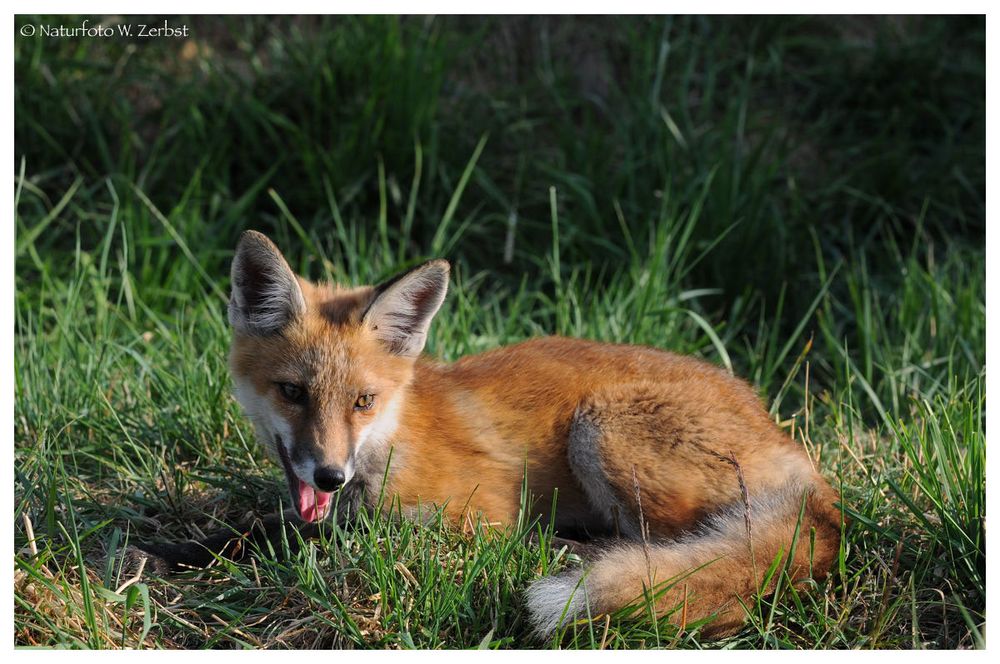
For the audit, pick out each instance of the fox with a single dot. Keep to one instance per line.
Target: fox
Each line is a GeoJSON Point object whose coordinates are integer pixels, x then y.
{"type": "Point", "coordinates": [671, 464]}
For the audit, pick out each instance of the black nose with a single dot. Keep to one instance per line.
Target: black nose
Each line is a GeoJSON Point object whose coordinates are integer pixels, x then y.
{"type": "Point", "coordinates": [328, 479]}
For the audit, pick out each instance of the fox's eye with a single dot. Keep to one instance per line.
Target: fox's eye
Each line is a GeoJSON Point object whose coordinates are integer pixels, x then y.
{"type": "Point", "coordinates": [365, 402]}
{"type": "Point", "coordinates": [292, 392]}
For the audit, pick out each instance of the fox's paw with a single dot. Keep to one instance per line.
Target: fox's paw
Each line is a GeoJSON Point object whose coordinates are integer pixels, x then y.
{"type": "Point", "coordinates": [137, 562]}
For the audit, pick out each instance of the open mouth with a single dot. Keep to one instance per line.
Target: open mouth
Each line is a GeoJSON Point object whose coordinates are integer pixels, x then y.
{"type": "Point", "coordinates": [311, 504]}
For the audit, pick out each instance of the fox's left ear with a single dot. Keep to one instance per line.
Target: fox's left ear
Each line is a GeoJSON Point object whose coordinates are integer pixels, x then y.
{"type": "Point", "coordinates": [402, 308]}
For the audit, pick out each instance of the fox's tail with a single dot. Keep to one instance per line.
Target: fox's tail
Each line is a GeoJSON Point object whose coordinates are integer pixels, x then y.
{"type": "Point", "coordinates": [702, 575]}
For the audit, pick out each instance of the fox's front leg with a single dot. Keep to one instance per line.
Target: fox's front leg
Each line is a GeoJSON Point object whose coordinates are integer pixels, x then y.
{"type": "Point", "coordinates": [351, 498]}
{"type": "Point", "coordinates": [237, 542]}
{"type": "Point", "coordinates": [233, 543]}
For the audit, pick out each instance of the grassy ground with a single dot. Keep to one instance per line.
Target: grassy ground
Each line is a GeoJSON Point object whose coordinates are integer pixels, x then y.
{"type": "Point", "coordinates": [802, 200]}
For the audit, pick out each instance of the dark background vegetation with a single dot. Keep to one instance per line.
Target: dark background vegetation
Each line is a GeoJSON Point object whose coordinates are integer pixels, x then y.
{"type": "Point", "coordinates": [831, 134]}
{"type": "Point", "coordinates": [802, 190]}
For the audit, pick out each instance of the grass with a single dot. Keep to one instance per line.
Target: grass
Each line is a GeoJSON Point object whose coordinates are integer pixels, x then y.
{"type": "Point", "coordinates": [799, 200]}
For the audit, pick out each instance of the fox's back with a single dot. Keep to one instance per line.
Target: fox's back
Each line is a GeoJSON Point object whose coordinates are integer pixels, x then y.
{"type": "Point", "coordinates": [545, 379]}
{"type": "Point", "coordinates": [494, 415]}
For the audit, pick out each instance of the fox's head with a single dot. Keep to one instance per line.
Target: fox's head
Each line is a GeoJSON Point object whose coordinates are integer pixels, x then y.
{"type": "Point", "coordinates": [320, 369]}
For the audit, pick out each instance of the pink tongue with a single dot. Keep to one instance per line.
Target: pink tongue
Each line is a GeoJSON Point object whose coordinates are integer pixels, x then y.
{"type": "Point", "coordinates": [313, 504]}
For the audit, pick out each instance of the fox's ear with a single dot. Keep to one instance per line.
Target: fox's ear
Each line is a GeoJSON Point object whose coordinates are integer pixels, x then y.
{"type": "Point", "coordinates": [266, 295]}
{"type": "Point", "coordinates": [402, 308]}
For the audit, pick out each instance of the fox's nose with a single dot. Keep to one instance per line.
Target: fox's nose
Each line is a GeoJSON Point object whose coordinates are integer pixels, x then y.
{"type": "Point", "coordinates": [328, 478]}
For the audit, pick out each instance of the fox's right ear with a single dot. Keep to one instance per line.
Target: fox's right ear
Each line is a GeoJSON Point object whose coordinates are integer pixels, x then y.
{"type": "Point", "coordinates": [265, 293]}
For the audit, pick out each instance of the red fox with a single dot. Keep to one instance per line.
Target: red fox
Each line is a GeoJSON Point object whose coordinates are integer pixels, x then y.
{"type": "Point", "coordinates": [671, 455]}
